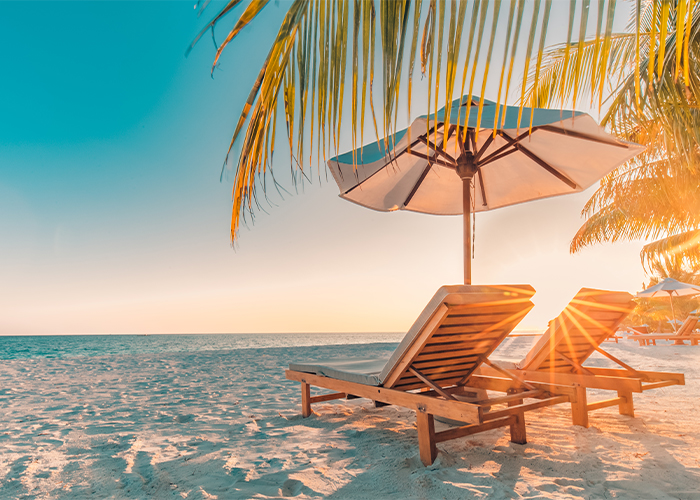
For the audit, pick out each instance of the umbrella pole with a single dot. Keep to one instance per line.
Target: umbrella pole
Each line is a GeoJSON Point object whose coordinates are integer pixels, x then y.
{"type": "Point", "coordinates": [466, 206]}
{"type": "Point", "coordinates": [673, 313]}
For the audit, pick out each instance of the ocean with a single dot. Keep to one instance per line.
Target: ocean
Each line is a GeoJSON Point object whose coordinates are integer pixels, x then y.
{"type": "Point", "coordinates": [62, 346]}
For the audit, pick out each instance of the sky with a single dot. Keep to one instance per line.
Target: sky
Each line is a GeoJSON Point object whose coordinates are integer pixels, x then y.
{"type": "Point", "coordinates": [114, 219]}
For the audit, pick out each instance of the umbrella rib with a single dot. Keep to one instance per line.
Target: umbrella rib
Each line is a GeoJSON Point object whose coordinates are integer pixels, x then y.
{"type": "Point", "coordinates": [483, 190]}
{"type": "Point", "coordinates": [472, 139]}
{"type": "Point", "coordinates": [556, 173]}
{"type": "Point", "coordinates": [579, 135]}
{"type": "Point", "coordinates": [425, 172]}
{"type": "Point", "coordinates": [511, 143]}
{"type": "Point", "coordinates": [483, 149]}
{"type": "Point", "coordinates": [438, 150]}
{"type": "Point", "coordinates": [492, 158]}
{"type": "Point", "coordinates": [407, 150]}
{"type": "Point", "coordinates": [431, 159]}
{"type": "Point", "coordinates": [417, 184]}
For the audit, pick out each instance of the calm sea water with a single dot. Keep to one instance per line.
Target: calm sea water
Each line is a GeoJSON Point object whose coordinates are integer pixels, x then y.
{"type": "Point", "coordinates": [59, 346]}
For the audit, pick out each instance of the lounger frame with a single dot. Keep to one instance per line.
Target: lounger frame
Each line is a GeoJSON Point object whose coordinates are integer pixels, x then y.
{"type": "Point", "coordinates": [432, 370]}
{"type": "Point", "coordinates": [430, 403]}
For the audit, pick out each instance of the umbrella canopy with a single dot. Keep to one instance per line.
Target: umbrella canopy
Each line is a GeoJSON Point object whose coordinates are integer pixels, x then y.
{"type": "Point", "coordinates": [430, 168]}
{"type": "Point", "coordinates": [669, 287]}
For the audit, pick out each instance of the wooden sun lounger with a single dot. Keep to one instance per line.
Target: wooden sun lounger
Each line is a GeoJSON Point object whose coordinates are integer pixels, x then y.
{"type": "Point", "coordinates": [558, 357]}
{"type": "Point", "coordinates": [640, 334]}
{"type": "Point", "coordinates": [677, 339]}
{"type": "Point", "coordinates": [432, 370]}
{"type": "Point", "coordinates": [685, 332]}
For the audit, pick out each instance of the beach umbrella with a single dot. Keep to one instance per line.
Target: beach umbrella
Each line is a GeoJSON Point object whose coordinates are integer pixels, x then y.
{"type": "Point", "coordinates": [668, 287]}
{"type": "Point", "coordinates": [445, 166]}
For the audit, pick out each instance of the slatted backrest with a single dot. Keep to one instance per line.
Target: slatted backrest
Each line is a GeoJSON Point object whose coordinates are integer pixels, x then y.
{"type": "Point", "coordinates": [590, 318]}
{"type": "Point", "coordinates": [688, 325]}
{"type": "Point", "coordinates": [459, 328]}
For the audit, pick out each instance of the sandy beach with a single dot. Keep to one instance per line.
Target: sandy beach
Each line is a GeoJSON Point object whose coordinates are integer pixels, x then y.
{"type": "Point", "coordinates": [226, 424]}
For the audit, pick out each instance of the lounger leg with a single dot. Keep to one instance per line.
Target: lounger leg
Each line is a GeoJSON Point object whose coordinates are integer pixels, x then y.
{"type": "Point", "coordinates": [517, 430]}
{"type": "Point", "coordinates": [626, 408]}
{"type": "Point", "coordinates": [426, 438]}
{"type": "Point", "coordinates": [579, 409]}
{"type": "Point", "coordinates": [305, 400]}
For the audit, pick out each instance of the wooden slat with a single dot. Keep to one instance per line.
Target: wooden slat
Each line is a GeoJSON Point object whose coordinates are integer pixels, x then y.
{"type": "Point", "coordinates": [604, 315]}
{"type": "Point", "coordinates": [513, 410]}
{"type": "Point", "coordinates": [484, 319]}
{"type": "Point", "coordinates": [494, 335]}
{"type": "Point", "coordinates": [449, 353]}
{"type": "Point", "coordinates": [604, 404]}
{"type": "Point", "coordinates": [461, 360]}
{"type": "Point", "coordinates": [468, 430]}
{"type": "Point", "coordinates": [656, 385]}
{"type": "Point", "coordinates": [417, 384]}
{"type": "Point", "coordinates": [492, 308]}
{"type": "Point", "coordinates": [580, 343]}
{"type": "Point", "coordinates": [591, 381]}
{"type": "Point", "coordinates": [427, 331]}
{"type": "Point", "coordinates": [536, 393]}
{"type": "Point", "coordinates": [649, 375]}
{"type": "Point", "coordinates": [483, 329]}
{"type": "Point", "coordinates": [327, 397]}
{"type": "Point", "coordinates": [501, 384]}
{"type": "Point", "coordinates": [438, 377]}
{"type": "Point", "coordinates": [461, 345]}
{"type": "Point", "coordinates": [441, 370]}
{"type": "Point", "coordinates": [558, 365]}
{"type": "Point", "coordinates": [465, 319]}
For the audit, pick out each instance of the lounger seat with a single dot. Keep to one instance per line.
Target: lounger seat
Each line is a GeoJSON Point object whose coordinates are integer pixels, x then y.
{"type": "Point", "coordinates": [560, 353]}
{"type": "Point", "coordinates": [433, 369]}
{"type": "Point", "coordinates": [362, 371]}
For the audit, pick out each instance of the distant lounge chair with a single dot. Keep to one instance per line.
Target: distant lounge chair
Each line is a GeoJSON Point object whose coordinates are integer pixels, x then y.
{"type": "Point", "coordinates": [432, 370]}
{"type": "Point", "coordinates": [640, 334]}
{"type": "Point", "coordinates": [685, 332]}
{"type": "Point", "coordinates": [560, 353]}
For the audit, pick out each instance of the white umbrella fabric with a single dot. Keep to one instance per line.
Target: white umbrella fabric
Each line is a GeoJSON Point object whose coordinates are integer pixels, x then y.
{"type": "Point", "coordinates": [669, 287]}
{"type": "Point", "coordinates": [430, 168]}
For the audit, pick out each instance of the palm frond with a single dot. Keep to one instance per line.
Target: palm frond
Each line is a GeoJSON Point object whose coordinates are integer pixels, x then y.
{"type": "Point", "coordinates": [683, 249]}
{"type": "Point", "coordinates": [305, 74]}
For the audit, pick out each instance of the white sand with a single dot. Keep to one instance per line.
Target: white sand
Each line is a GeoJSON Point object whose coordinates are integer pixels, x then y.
{"type": "Point", "coordinates": [227, 425]}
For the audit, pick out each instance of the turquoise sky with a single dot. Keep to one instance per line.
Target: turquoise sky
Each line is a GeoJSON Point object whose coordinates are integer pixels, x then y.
{"type": "Point", "coordinates": [114, 219]}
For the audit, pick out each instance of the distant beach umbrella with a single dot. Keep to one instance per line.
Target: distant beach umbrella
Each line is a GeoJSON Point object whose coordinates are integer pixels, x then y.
{"type": "Point", "coordinates": [437, 167]}
{"type": "Point", "coordinates": [669, 287]}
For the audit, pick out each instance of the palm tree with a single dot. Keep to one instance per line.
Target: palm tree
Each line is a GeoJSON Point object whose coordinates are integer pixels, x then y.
{"type": "Point", "coordinates": [305, 73]}
{"type": "Point", "coordinates": [653, 91]}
